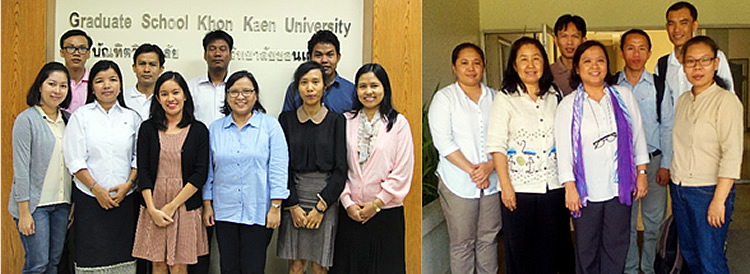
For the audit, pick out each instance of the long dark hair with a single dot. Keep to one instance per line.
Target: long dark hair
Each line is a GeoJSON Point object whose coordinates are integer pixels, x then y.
{"type": "Point", "coordinates": [34, 95]}
{"type": "Point", "coordinates": [303, 69]}
{"type": "Point", "coordinates": [710, 43]}
{"type": "Point", "coordinates": [575, 78]}
{"type": "Point", "coordinates": [511, 80]}
{"type": "Point", "coordinates": [158, 117]}
{"type": "Point", "coordinates": [226, 110]}
{"type": "Point", "coordinates": [100, 66]}
{"type": "Point", "coordinates": [386, 106]}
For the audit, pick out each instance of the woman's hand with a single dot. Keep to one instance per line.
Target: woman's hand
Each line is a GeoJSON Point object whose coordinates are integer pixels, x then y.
{"type": "Point", "coordinates": [354, 212]}
{"type": "Point", "coordinates": [313, 219]}
{"type": "Point", "coordinates": [26, 224]}
{"type": "Point", "coordinates": [120, 191]}
{"type": "Point", "coordinates": [716, 210]}
{"type": "Point", "coordinates": [273, 218]}
{"type": "Point", "coordinates": [641, 186]}
{"type": "Point", "coordinates": [103, 198]}
{"type": "Point", "coordinates": [169, 209]}
{"type": "Point", "coordinates": [298, 216]}
{"type": "Point", "coordinates": [572, 198]}
{"type": "Point", "coordinates": [208, 213]}
{"type": "Point", "coordinates": [367, 212]}
{"type": "Point", "coordinates": [480, 172]}
{"type": "Point", "coordinates": [160, 218]}
{"type": "Point", "coordinates": [508, 196]}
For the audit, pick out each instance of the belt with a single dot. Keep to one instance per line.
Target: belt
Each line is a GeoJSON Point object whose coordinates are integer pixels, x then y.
{"type": "Point", "coordinates": [654, 154]}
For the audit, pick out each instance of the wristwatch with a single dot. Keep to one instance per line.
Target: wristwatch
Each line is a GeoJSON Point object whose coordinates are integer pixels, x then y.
{"type": "Point", "coordinates": [276, 206]}
{"type": "Point", "coordinates": [642, 171]}
{"type": "Point", "coordinates": [377, 208]}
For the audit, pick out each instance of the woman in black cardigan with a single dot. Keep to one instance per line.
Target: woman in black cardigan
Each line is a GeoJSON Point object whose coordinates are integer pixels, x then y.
{"type": "Point", "coordinates": [172, 167]}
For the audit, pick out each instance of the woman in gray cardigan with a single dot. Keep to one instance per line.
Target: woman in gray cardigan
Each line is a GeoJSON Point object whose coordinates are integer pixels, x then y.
{"type": "Point", "coordinates": [40, 197]}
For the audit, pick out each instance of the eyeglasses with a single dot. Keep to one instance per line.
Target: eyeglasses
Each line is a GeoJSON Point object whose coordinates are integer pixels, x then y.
{"type": "Point", "coordinates": [72, 49]}
{"type": "Point", "coordinates": [609, 138]}
{"type": "Point", "coordinates": [245, 93]}
{"type": "Point", "coordinates": [705, 61]}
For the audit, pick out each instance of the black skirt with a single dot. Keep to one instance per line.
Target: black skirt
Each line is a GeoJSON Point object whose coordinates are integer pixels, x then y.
{"type": "Point", "coordinates": [103, 237]}
{"type": "Point", "coordinates": [374, 247]}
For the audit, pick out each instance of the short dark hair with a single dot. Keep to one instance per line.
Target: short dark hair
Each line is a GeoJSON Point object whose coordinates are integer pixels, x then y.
{"type": "Point", "coordinates": [634, 31]}
{"type": "Point", "coordinates": [715, 48]}
{"type": "Point", "coordinates": [575, 78]}
{"type": "Point", "coordinates": [146, 48]}
{"type": "Point", "coordinates": [683, 5]}
{"type": "Point", "coordinates": [303, 69]}
{"type": "Point", "coordinates": [157, 115]}
{"type": "Point", "coordinates": [511, 80]}
{"type": "Point", "coordinates": [100, 66]}
{"type": "Point", "coordinates": [34, 95]}
{"type": "Point", "coordinates": [216, 35]}
{"type": "Point", "coordinates": [323, 36]}
{"type": "Point", "coordinates": [226, 110]}
{"type": "Point", "coordinates": [563, 21]}
{"type": "Point", "coordinates": [75, 32]}
{"type": "Point", "coordinates": [386, 106]}
{"type": "Point", "coordinates": [460, 47]}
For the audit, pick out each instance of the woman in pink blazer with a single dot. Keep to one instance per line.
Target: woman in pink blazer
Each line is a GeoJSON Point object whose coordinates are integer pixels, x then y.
{"type": "Point", "coordinates": [380, 153]}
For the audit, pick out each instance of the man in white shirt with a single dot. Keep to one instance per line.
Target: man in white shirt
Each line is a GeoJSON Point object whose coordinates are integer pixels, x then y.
{"type": "Point", "coordinates": [682, 22]}
{"type": "Point", "coordinates": [208, 96]}
{"type": "Point", "coordinates": [208, 89]}
{"type": "Point", "coordinates": [148, 64]}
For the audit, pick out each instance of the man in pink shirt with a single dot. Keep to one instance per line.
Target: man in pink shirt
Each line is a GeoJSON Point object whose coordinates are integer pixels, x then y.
{"type": "Point", "coordinates": [75, 48]}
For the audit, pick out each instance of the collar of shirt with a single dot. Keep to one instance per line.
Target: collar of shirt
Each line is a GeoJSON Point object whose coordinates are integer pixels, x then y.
{"type": "Point", "coordinates": [84, 79]}
{"type": "Point", "coordinates": [316, 119]}
{"type": "Point", "coordinates": [645, 76]}
{"type": "Point", "coordinates": [336, 82]}
{"type": "Point", "coordinates": [254, 120]}
{"type": "Point", "coordinates": [96, 105]}
{"type": "Point", "coordinates": [205, 80]}
{"type": "Point", "coordinates": [703, 95]}
{"type": "Point", "coordinates": [462, 93]}
{"type": "Point", "coordinates": [46, 118]}
{"type": "Point", "coordinates": [135, 93]}
{"type": "Point", "coordinates": [558, 66]}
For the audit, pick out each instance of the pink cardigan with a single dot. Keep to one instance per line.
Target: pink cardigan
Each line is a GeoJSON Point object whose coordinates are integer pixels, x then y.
{"type": "Point", "coordinates": [387, 174]}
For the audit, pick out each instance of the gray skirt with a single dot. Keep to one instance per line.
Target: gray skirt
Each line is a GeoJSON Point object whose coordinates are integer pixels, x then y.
{"type": "Point", "coordinates": [314, 245]}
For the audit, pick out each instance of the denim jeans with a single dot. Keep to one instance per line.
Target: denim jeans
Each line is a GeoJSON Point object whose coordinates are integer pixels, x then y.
{"type": "Point", "coordinates": [44, 247]}
{"type": "Point", "coordinates": [702, 245]}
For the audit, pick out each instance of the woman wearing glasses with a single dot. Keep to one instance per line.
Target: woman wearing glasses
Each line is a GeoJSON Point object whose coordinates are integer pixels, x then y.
{"type": "Point", "coordinates": [707, 138]}
{"type": "Point", "coordinates": [602, 159]}
{"type": "Point", "coordinates": [247, 177]}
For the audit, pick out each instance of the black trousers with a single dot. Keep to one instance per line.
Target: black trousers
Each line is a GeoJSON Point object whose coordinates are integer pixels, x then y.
{"type": "Point", "coordinates": [532, 232]}
{"type": "Point", "coordinates": [242, 247]}
{"type": "Point", "coordinates": [602, 237]}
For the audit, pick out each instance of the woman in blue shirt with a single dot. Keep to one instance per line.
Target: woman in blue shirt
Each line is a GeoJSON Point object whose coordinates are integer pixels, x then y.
{"type": "Point", "coordinates": [247, 177]}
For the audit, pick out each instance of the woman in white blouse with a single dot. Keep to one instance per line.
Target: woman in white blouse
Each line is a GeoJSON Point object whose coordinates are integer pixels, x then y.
{"type": "Point", "coordinates": [600, 144]}
{"type": "Point", "coordinates": [99, 149]}
{"type": "Point", "coordinates": [458, 119]}
{"type": "Point", "coordinates": [521, 140]}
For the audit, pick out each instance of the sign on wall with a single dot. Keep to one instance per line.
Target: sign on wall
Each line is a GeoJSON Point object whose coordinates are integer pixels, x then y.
{"type": "Point", "coordinates": [270, 37]}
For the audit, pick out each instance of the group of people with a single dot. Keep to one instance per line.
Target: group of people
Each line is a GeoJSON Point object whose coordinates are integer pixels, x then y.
{"type": "Point", "coordinates": [156, 167]}
{"type": "Point", "coordinates": [571, 139]}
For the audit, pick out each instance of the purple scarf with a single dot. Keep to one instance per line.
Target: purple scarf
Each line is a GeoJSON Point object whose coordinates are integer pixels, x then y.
{"type": "Point", "coordinates": [625, 171]}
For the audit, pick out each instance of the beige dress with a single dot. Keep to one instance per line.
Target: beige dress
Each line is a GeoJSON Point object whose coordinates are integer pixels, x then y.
{"type": "Point", "coordinates": [184, 240]}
